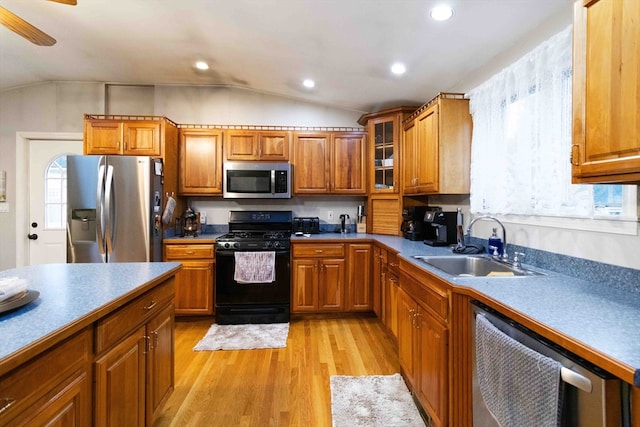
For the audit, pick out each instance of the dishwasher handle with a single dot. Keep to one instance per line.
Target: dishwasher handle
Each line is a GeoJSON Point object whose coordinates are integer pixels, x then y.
{"type": "Point", "coordinates": [575, 379]}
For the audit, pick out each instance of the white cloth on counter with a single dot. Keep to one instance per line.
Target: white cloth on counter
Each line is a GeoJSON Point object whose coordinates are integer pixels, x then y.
{"type": "Point", "coordinates": [255, 267]}
{"type": "Point", "coordinates": [11, 286]}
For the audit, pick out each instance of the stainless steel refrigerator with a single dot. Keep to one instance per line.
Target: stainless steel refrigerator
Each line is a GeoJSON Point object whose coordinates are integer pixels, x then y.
{"type": "Point", "coordinates": [114, 209]}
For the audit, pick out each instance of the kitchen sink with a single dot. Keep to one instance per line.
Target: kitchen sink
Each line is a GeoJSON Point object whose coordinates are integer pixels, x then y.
{"type": "Point", "coordinates": [474, 266]}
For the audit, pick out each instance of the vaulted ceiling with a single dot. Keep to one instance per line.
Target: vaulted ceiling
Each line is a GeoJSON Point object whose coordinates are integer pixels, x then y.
{"type": "Point", "coordinates": [346, 46]}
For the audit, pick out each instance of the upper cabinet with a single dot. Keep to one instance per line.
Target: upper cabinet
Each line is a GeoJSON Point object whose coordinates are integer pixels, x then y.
{"type": "Point", "coordinates": [200, 162]}
{"type": "Point", "coordinates": [329, 163]}
{"type": "Point", "coordinates": [385, 130]}
{"type": "Point", "coordinates": [265, 145]}
{"type": "Point", "coordinates": [128, 137]}
{"type": "Point", "coordinates": [154, 136]}
{"type": "Point", "coordinates": [437, 147]}
{"type": "Point", "coordinates": [606, 92]}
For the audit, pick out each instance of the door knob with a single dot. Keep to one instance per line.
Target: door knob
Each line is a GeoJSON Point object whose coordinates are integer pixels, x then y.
{"type": "Point", "coordinates": [32, 236]}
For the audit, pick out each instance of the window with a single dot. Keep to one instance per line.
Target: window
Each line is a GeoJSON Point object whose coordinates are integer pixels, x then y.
{"type": "Point", "coordinates": [522, 134]}
{"type": "Point", "coordinates": [55, 194]}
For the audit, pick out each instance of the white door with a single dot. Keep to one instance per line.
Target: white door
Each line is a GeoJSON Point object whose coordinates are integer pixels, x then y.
{"type": "Point", "coordinates": [47, 200]}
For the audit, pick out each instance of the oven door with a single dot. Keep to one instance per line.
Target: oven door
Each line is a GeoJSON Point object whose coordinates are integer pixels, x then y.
{"type": "Point", "coordinates": [230, 292]}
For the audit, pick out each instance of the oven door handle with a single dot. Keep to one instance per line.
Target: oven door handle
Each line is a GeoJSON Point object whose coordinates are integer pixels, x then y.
{"type": "Point", "coordinates": [226, 252]}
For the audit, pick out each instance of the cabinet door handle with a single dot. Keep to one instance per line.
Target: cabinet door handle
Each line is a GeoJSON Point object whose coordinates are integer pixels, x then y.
{"type": "Point", "coordinates": [147, 344]}
{"type": "Point", "coordinates": [573, 157]}
{"type": "Point", "coordinates": [150, 306]}
{"type": "Point", "coordinates": [393, 264]}
{"type": "Point", "coordinates": [318, 251]}
{"type": "Point", "coordinates": [6, 403]}
{"type": "Point", "coordinates": [189, 252]}
{"type": "Point", "coordinates": [155, 340]}
{"type": "Point", "coordinates": [416, 317]}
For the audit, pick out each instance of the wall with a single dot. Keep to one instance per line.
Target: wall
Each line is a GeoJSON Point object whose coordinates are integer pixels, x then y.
{"type": "Point", "coordinates": [59, 107]}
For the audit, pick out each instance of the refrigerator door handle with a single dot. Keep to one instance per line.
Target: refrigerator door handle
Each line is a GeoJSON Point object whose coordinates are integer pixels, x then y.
{"type": "Point", "coordinates": [109, 207]}
{"type": "Point", "coordinates": [100, 215]}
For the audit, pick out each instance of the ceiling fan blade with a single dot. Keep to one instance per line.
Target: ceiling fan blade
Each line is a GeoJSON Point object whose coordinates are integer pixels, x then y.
{"type": "Point", "coordinates": [23, 28]}
{"type": "Point", "coordinates": [70, 2]}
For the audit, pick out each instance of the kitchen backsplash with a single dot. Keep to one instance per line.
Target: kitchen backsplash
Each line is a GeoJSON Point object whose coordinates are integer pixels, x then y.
{"type": "Point", "coordinates": [623, 278]}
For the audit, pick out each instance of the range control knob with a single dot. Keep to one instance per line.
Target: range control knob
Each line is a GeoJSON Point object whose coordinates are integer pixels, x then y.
{"type": "Point", "coordinates": [236, 245]}
{"type": "Point", "coordinates": [276, 244]}
{"type": "Point", "coordinates": [226, 245]}
{"type": "Point", "coordinates": [267, 244]}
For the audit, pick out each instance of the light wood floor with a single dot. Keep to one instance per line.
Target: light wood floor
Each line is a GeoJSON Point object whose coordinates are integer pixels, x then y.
{"type": "Point", "coordinates": [273, 387]}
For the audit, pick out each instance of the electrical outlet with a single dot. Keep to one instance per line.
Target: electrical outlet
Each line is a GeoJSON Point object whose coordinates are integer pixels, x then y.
{"type": "Point", "coordinates": [329, 215]}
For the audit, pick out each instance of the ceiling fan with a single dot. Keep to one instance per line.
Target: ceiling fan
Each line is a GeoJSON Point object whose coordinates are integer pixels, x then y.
{"type": "Point", "coordinates": [26, 30]}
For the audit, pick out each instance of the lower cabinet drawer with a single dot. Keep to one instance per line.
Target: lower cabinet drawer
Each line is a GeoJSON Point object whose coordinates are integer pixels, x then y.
{"type": "Point", "coordinates": [318, 250]}
{"type": "Point", "coordinates": [56, 382]}
{"type": "Point", "coordinates": [191, 251]}
{"type": "Point", "coordinates": [121, 322]}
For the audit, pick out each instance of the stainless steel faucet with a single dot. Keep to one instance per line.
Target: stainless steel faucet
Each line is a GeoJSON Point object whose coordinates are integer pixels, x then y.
{"type": "Point", "coordinates": [505, 256]}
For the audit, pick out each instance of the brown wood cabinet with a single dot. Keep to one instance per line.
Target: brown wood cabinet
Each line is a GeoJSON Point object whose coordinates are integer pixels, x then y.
{"type": "Point", "coordinates": [423, 339]}
{"type": "Point", "coordinates": [437, 147]}
{"type": "Point", "coordinates": [52, 389]}
{"type": "Point", "coordinates": [243, 145]}
{"type": "Point", "coordinates": [200, 162]}
{"type": "Point", "coordinates": [134, 359]}
{"type": "Point", "coordinates": [385, 134]}
{"type": "Point", "coordinates": [318, 277]}
{"type": "Point", "coordinates": [606, 98]}
{"type": "Point", "coordinates": [377, 279]}
{"type": "Point", "coordinates": [153, 136]}
{"type": "Point", "coordinates": [128, 137]}
{"type": "Point", "coordinates": [384, 214]}
{"type": "Point", "coordinates": [120, 383]}
{"type": "Point", "coordinates": [390, 294]}
{"type": "Point", "coordinates": [359, 284]}
{"type": "Point", "coordinates": [196, 280]}
{"type": "Point", "coordinates": [329, 163]}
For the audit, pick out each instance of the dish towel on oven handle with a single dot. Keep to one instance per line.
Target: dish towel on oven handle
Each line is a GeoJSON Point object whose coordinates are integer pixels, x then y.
{"type": "Point", "coordinates": [255, 267]}
{"type": "Point", "coordinates": [519, 386]}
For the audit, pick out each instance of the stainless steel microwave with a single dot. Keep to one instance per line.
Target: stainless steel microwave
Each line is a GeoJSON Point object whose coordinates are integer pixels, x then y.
{"type": "Point", "coordinates": [256, 180]}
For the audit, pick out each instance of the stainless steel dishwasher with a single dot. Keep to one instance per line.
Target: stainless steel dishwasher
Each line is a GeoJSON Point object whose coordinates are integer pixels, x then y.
{"type": "Point", "coordinates": [591, 396]}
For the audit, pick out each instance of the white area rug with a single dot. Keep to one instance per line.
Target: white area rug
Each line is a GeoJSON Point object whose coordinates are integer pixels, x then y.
{"type": "Point", "coordinates": [373, 400]}
{"type": "Point", "coordinates": [244, 337]}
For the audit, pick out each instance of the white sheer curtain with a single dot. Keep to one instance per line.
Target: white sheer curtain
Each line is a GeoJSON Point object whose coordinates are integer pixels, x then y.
{"type": "Point", "coordinates": [522, 137]}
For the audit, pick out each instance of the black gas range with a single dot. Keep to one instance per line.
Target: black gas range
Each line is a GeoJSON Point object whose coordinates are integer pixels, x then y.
{"type": "Point", "coordinates": [253, 268]}
{"type": "Point", "coordinates": [254, 240]}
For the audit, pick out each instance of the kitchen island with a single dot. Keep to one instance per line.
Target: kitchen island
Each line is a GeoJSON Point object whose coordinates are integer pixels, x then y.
{"type": "Point", "coordinates": [66, 354]}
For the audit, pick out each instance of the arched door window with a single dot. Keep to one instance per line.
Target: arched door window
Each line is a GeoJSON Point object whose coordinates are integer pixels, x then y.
{"type": "Point", "coordinates": [55, 194]}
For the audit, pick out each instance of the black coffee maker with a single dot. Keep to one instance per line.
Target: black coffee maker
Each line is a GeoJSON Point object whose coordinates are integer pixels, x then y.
{"type": "Point", "coordinates": [440, 228]}
{"type": "Point", "coordinates": [412, 226]}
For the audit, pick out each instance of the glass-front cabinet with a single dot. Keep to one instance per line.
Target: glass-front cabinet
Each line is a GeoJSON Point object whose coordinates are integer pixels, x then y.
{"type": "Point", "coordinates": [384, 133]}
{"type": "Point", "coordinates": [384, 129]}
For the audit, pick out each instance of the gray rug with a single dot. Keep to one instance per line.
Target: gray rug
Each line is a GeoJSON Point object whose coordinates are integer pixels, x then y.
{"type": "Point", "coordinates": [373, 400]}
{"type": "Point", "coordinates": [244, 337]}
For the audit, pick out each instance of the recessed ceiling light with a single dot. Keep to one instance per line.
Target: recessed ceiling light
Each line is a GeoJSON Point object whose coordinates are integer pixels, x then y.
{"type": "Point", "coordinates": [201, 65]}
{"type": "Point", "coordinates": [398, 68]}
{"type": "Point", "coordinates": [308, 83]}
{"type": "Point", "coordinates": [441, 12]}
